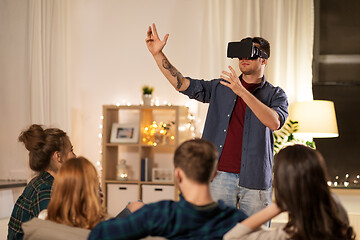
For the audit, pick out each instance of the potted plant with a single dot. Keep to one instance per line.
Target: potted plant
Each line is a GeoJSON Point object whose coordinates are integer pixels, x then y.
{"type": "Point", "coordinates": [285, 136]}
{"type": "Point", "coordinates": [147, 94]}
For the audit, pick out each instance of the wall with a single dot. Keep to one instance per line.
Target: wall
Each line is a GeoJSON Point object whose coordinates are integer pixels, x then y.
{"type": "Point", "coordinates": [110, 61]}
{"type": "Point", "coordinates": [109, 64]}
{"type": "Point", "coordinates": [14, 94]}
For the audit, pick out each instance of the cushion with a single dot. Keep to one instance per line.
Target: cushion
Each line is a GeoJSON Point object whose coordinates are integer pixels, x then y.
{"type": "Point", "coordinates": [46, 229]}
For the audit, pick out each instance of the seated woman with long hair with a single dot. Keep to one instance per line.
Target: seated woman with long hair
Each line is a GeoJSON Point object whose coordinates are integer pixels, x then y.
{"type": "Point", "coordinates": [300, 185]}
{"type": "Point", "coordinates": [76, 199]}
{"type": "Point", "coordinates": [75, 206]}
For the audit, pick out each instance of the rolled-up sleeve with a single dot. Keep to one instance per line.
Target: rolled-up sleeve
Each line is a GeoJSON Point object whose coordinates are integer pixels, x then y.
{"type": "Point", "coordinates": [280, 104]}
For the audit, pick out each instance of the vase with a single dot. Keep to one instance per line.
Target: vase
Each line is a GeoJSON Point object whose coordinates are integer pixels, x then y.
{"type": "Point", "coordinates": [147, 99]}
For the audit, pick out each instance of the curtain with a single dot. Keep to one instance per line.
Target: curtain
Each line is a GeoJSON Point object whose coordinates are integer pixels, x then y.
{"type": "Point", "coordinates": [287, 24]}
{"type": "Point", "coordinates": [48, 62]}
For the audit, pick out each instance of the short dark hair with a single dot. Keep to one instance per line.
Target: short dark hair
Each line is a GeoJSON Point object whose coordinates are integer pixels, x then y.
{"type": "Point", "coordinates": [264, 44]}
{"type": "Point", "coordinates": [197, 158]}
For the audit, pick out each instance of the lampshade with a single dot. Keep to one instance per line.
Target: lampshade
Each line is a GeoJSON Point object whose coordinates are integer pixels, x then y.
{"type": "Point", "coordinates": [316, 118]}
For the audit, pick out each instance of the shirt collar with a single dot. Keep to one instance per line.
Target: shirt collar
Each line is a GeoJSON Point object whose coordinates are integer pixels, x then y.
{"type": "Point", "coordinates": [263, 81]}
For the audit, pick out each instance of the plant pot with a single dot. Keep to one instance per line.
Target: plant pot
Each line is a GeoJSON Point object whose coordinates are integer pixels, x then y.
{"type": "Point", "coordinates": [147, 99]}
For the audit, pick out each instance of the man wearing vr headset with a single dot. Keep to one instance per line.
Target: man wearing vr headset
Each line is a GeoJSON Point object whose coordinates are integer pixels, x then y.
{"type": "Point", "coordinates": [243, 113]}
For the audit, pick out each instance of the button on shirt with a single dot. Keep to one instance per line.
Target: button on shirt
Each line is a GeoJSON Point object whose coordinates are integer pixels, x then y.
{"type": "Point", "coordinates": [258, 141]}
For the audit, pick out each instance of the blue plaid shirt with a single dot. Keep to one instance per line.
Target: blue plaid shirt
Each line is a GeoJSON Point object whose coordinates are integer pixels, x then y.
{"type": "Point", "coordinates": [172, 220]}
{"type": "Point", "coordinates": [35, 198]}
{"type": "Point", "coordinates": [258, 141]}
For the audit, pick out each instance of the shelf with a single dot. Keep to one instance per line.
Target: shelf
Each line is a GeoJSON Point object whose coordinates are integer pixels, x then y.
{"type": "Point", "coordinates": [122, 181]}
{"type": "Point", "coordinates": [157, 183]}
{"type": "Point", "coordinates": [158, 146]}
{"type": "Point", "coordinates": [159, 156]}
{"type": "Point", "coordinates": [121, 144]}
{"type": "Point", "coordinates": [138, 182]}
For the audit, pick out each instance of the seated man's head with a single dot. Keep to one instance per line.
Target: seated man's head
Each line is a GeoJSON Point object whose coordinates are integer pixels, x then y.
{"type": "Point", "coordinates": [197, 158]}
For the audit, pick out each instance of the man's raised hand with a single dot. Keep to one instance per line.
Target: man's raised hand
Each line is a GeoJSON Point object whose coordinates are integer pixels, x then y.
{"type": "Point", "coordinates": [153, 42]}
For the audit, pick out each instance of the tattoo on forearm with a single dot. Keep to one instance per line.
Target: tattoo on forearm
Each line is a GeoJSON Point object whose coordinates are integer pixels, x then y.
{"type": "Point", "coordinates": [175, 73]}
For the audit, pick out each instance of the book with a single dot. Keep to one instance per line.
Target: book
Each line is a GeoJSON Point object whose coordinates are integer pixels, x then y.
{"type": "Point", "coordinates": [144, 169]}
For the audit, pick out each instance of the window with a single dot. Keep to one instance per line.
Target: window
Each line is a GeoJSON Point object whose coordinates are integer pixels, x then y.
{"type": "Point", "coordinates": [336, 77]}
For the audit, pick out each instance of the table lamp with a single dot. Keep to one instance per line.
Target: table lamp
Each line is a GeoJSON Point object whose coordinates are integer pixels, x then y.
{"type": "Point", "coordinates": [316, 118]}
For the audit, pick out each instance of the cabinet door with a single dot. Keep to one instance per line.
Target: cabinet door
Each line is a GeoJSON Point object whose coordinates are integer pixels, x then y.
{"type": "Point", "coordinates": [119, 195]}
{"type": "Point", "coordinates": [154, 193]}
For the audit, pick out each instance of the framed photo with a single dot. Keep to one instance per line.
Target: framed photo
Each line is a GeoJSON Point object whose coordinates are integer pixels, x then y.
{"type": "Point", "coordinates": [124, 133]}
{"type": "Point", "coordinates": [162, 175]}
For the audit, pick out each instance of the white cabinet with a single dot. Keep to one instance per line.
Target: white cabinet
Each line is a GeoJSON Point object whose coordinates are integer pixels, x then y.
{"type": "Point", "coordinates": [154, 193]}
{"type": "Point", "coordinates": [119, 195]}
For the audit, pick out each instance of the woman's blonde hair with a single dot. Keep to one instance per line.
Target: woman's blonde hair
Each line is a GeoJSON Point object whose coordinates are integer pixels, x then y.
{"type": "Point", "coordinates": [75, 199]}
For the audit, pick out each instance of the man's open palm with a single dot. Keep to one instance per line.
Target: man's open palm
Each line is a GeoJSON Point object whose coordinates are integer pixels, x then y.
{"type": "Point", "coordinates": [153, 42]}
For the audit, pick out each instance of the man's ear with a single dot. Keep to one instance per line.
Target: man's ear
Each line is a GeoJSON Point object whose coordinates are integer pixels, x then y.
{"type": "Point", "coordinates": [178, 175]}
{"type": "Point", "coordinates": [264, 61]}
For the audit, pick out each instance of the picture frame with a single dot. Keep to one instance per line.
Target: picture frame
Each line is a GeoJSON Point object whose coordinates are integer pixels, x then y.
{"type": "Point", "coordinates": [124, 133]}
{"type": "Point", "coordinates": [162, 175]}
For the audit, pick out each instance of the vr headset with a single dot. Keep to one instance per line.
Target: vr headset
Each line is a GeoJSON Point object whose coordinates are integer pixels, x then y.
{"type": "Point", "coordinates": [244, 49]}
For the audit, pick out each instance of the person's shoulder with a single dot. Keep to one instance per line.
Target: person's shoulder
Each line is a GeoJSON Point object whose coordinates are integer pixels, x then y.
{"type": "Point", "coordinates": [42, 229]}
{"type": "Point", "coordinates": [43, 182]}
{"type": "Point", "coordinates": [241, 231]}
{"type": "Point", "coordinates": [39, 188]}
{"type": "Point", "coordinates": [269, 85]}
{"type": "Point", "coordinates": [164, 204]}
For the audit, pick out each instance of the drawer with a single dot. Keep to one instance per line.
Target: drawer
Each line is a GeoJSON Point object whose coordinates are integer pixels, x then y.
{"type": "Point", "coordinates": [154, 193]}
{"type": "Point", "coordinates": [119, 195]}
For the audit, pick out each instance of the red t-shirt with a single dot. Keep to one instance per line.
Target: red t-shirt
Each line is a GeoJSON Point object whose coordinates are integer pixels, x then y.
{"type": "Point", "coordinates": [230, 159]}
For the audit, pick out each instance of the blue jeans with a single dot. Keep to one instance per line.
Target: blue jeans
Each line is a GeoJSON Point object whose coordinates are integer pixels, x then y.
{"type": "Point", "coordinates": [225, 186]}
